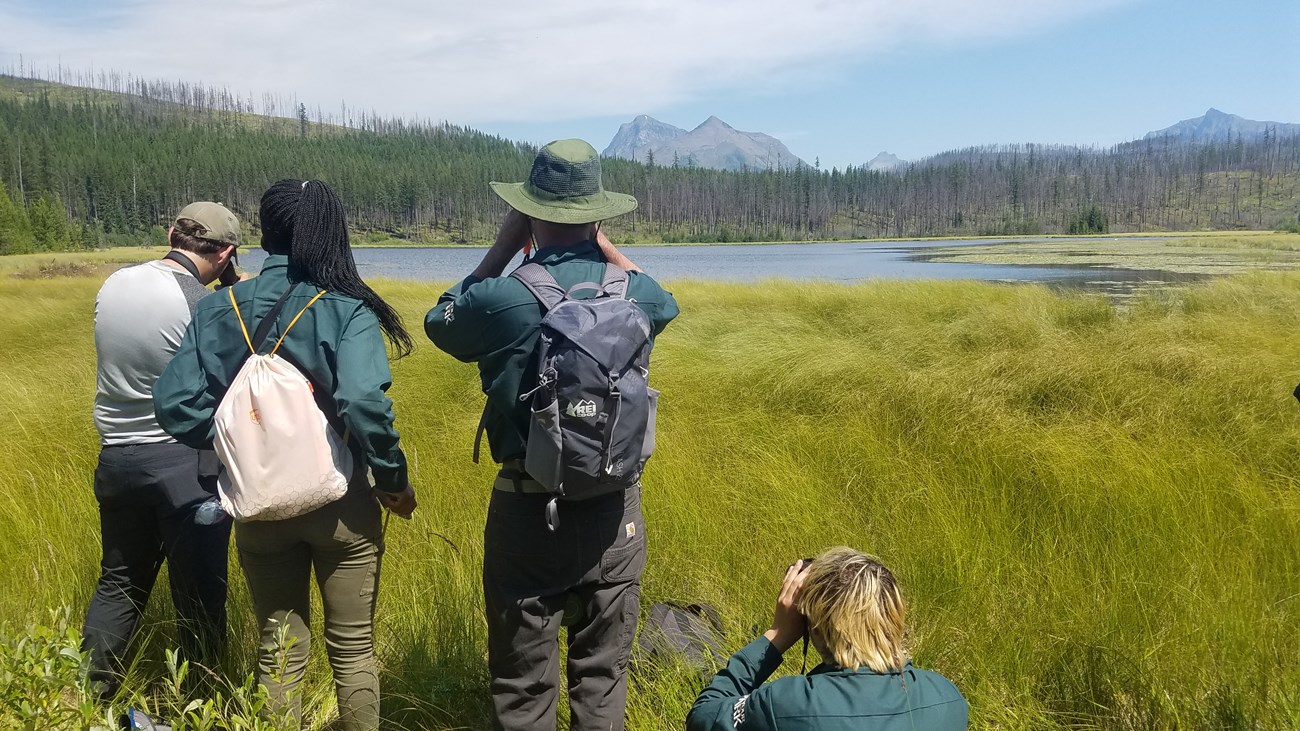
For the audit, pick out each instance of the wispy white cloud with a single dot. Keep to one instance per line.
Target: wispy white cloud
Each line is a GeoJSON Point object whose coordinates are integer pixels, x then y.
{"type": "Point", "coordinates": [506, 60]}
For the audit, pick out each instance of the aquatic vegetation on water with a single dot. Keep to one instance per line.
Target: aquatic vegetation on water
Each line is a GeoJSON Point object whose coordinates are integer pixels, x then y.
{"type": "Point", "coordinates": [1190, 255]}
{"type": "Point", "coordinates": [1094, 513]}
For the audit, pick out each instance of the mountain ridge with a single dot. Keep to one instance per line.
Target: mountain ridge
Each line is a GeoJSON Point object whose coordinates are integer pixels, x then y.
{"type": "Point", "coordinates": [711, 144]}
{"type": "Point", "coordinates": [1218, 126]}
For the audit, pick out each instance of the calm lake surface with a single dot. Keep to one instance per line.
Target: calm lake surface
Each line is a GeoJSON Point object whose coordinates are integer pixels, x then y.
{"type": "Point", "coordinates": [843, 262]}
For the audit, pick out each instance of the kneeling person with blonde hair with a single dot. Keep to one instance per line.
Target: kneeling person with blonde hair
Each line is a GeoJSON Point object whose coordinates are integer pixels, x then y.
{"type": "Point", "coordinates": [849, 604]}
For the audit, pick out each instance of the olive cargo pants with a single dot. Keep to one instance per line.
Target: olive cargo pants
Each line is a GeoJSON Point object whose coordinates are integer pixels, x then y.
{"type": "Point", "coordinates": [342, 543]}
{"type": "Point", "coordinates": [585, 575]}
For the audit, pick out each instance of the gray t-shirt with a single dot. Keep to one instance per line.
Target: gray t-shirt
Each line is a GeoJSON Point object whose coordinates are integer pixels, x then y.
{"type": "Point", "coordinates": [141, 314]}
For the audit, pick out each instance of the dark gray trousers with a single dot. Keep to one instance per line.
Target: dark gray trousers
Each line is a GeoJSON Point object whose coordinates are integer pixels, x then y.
{"type": "Point", "coordinates": [586, 576]}
{"type": "Point", "coordinates": [149, 497]}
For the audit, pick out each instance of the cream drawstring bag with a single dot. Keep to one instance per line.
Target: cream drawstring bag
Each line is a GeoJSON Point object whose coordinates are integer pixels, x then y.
{"type": "Point", "coordinates": [281, 455]}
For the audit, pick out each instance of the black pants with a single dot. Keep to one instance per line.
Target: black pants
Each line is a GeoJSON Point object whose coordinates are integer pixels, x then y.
{"type": "Point", "coordinates": [149, 510]}
{"type": "Point", "coordinates": [585, 575]}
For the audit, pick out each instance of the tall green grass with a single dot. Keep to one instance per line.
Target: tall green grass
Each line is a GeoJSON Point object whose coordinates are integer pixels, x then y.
{"type": "Point", "coordinates": [1094, 514]}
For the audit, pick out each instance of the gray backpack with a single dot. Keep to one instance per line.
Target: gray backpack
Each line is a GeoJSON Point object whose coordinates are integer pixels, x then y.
{"type": "Point", "coordinates": [593, 412]}
{"type": "Point", "coordinates": [692, 634]}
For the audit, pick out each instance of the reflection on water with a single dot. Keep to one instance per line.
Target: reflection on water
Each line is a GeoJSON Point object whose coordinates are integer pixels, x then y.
{"type": "Point", "coordinates": [828, 261]}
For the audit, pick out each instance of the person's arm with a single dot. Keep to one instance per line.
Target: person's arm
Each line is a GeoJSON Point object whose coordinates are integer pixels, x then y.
{"type": "Point", "coordinates": [612, 254]}
{"type": "Point", "coordinates": [657, 301]}
{"type": "Point", "coordinates": [472, 320]}
{"type": "Point", "coordinates": [511, 237]}
{"type": "Point", "coordinates": [181, 399]}
{"type": "Point", "coordinates": [459, 323]}
{"type": "Point", "coordinates": [665, 313]}
{"type": "Point", "coordinates": [734, 699]}
{"type": "Point", "coordinates": [361, 380]}
{"type": "Point", "coordinates": [731, 701]}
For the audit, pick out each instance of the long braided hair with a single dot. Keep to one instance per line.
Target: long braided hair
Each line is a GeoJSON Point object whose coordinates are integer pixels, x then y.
{"type": "Point", "coordinates": [305, 220]}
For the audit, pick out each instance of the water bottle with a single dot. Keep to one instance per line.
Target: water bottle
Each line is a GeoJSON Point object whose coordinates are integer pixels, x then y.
{"type": "Point", "coordinates": [210, 512]}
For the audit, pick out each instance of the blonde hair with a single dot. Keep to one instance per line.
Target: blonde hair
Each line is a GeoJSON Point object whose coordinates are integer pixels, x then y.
{"type": "Point", "coordinates": [853, 605]}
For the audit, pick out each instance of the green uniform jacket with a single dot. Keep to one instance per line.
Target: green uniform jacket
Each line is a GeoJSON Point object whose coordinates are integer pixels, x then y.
{"type": "Point", "coordinates": [827, 699]}
{"type": "Point", "coordinates": [495, 323]}
{"type": "Point", "coordinates": [337, 344]}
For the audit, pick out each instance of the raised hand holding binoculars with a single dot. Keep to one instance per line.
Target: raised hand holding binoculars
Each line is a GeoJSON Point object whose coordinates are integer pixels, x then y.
{"type": "Point", "coordinates": [788, 623]}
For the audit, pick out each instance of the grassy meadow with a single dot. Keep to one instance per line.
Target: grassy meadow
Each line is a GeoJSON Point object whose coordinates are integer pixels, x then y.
{"type": "Point", "coordinates": [1093, 513]}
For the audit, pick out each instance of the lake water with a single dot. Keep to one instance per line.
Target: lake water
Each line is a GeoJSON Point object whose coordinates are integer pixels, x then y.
{"type": "Point", "coordinates": [843, 262]}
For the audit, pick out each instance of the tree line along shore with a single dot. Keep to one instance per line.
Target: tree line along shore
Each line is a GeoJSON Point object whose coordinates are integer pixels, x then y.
{"type": "Point", "coordinates": [85, 168]}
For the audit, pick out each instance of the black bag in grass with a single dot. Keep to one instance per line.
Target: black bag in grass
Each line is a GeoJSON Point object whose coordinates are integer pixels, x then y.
{"type": "Point", "coordinates": [136, 719]}
{"type": "Point", "coordinates": [692, 633]}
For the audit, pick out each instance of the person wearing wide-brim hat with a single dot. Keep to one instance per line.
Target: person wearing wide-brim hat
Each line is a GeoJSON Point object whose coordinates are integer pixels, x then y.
{"type": "Point", "coordinates": [565, 186]}
{"type": "Point", "coordinates": [583, 572]}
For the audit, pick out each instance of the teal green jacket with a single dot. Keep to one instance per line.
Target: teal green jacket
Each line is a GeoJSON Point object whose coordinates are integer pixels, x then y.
{"type": "Point", "coordinates": [495, 323]}
{"type": "Point", "coordinates": [826, 699]}
{"type": "Point", "coordinates": [337, 344]}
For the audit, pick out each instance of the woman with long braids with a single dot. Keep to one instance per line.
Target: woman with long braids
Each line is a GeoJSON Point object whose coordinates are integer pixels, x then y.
{"type": "Point", "coordinates": [336, 343]}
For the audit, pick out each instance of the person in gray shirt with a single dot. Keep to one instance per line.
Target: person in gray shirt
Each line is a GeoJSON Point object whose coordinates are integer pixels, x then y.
{"type": "Point", "coordinates": [157, 498]}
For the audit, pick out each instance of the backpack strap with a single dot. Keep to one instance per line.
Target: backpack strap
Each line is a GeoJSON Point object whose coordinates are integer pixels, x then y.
{"type": "Point", "coordinates": [482, 429]}
{"type": "Point", "coordinates": [540, 283]}
{"type": "Point", "coordinates": [294, 321]}
{"type": "Point", "coordinates": [264, 327]}
{"type": "Point", "coordinates": [478, 436]}
{"type": "Point", "coordinates": [244, 328]}
{"type": "Point", "coordinates": [614, 283]}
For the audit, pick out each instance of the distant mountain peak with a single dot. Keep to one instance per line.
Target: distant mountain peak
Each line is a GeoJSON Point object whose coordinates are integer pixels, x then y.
{"type": "Point", "coordinates": [641, 134]}
{"type": "Point", "coordinates": [712, 144]}
{"type": "Point", "coordinates": [885, 161]}
{"type": "Point", "coordinates": [1219, 126]}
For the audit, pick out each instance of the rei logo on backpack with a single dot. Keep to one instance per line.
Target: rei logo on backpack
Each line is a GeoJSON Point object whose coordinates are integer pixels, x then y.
{"type": "Point", "coordinates": [593, 412]}
{"type": "Point", "coordinates": [281, 455]}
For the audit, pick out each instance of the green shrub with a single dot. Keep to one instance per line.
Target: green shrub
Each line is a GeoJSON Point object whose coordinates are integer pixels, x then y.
{"type": "Point", "coordinates": [42, 677]}
{"type": "Point", "coordinates": [43, 687]}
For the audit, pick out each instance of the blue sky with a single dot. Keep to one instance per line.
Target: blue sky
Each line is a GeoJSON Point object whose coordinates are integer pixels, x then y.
{"type": "Point", "coordinates": [1102, 79]}
{"type": "Point", "coordinates": [838, 80]}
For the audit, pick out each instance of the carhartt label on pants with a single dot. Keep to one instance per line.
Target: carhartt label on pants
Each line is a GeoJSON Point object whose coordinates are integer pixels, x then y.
{"type": "Point", "coordinates": [631, 530]}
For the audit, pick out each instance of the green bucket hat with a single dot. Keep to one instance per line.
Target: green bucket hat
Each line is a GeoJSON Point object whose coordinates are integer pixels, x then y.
{"type": "Point", "coordinates": [565, 187]}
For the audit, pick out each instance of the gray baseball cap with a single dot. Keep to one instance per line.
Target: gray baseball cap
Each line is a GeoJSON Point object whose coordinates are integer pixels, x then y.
{"type": "Point", "coordinates": [218, 222]}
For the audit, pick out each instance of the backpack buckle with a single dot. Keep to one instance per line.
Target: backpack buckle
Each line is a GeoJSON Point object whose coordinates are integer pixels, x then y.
{"type": "Point", "coordinates": [553, 514]}
{"type": "Point", "coordinates": [547, 379]}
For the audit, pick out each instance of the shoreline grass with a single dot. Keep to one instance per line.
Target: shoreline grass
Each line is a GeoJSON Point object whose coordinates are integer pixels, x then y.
{"type": "Point", "coordinates": [1093, 513]}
